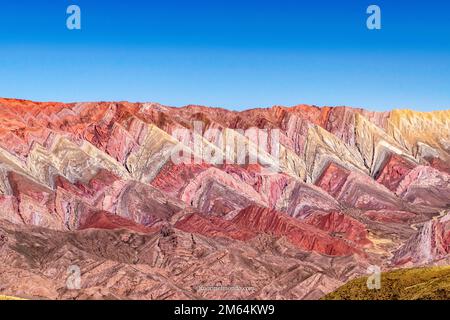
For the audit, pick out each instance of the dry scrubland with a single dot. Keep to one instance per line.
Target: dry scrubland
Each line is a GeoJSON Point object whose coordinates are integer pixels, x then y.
{"type": "Point", "coordinates": [406, 284]}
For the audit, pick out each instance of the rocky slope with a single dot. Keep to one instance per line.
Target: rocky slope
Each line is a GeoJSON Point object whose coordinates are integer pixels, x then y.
{"type": "Point", "coordinates": [291, 212]}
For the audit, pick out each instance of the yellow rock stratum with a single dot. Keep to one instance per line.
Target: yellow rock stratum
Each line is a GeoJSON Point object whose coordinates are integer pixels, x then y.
{"type": "Point", "coordinates": [10, 298]}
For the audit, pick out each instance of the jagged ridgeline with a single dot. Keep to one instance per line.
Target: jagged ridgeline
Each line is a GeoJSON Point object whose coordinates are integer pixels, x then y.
{"type": "Point", "coordinates": [95, 185]}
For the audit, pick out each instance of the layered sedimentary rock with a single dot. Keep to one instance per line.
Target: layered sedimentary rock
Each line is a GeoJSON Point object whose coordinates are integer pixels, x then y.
{"type": "Point", "coordinates": [157, 202]}
{"type": "Point", "coordinates": [431, 244]}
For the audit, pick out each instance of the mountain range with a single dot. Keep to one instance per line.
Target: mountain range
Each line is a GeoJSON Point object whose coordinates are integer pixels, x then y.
{"type": "Point", "coordinates": [93, 186]}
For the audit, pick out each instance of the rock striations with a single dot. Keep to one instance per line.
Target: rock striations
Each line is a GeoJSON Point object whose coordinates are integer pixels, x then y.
{"type": "Point", "coordinates": [97, 186]}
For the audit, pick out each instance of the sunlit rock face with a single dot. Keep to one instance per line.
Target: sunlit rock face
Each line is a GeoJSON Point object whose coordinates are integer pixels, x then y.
{"type": "Point", "coordinates": [95, 185]}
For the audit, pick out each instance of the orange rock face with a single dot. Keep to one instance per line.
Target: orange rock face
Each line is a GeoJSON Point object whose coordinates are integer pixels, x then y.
{"type": "Point", "coordinates": [96, 185]}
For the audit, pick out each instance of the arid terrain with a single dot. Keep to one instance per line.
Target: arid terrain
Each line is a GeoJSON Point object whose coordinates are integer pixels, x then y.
{"type": "Point", "coordinates": [91, 191]}
{"type": "Point", "coordinates": [432, 283]}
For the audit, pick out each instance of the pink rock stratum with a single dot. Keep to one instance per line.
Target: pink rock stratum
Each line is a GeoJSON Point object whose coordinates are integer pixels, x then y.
{"type": "Point", "coordinates": [93, 187]}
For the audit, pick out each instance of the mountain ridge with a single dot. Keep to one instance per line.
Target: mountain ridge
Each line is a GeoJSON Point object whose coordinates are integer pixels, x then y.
{"type": "Point", "coordinates": [351, 188]}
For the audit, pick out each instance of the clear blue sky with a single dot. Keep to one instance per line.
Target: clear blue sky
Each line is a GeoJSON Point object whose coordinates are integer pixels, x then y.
{"type": "Point", "coordinates": [233, 53]}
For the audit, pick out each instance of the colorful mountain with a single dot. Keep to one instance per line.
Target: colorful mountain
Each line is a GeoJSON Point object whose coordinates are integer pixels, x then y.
{"type": "Point", "coordinates": [291, 202]}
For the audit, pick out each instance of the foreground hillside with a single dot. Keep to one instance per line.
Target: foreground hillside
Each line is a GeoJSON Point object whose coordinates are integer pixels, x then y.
{"type": "Point", "coordinates": [95, 187]}
{"type": "Point", "coordinates": [9, 298]}
{"type": "Point", "coordinates": [406, 284]}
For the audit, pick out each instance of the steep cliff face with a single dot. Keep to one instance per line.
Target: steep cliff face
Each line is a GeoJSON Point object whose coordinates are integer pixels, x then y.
{"type": "Point", "coordinates": [292, 210]}
{"type": "Point", "coordinates": [431, 244]}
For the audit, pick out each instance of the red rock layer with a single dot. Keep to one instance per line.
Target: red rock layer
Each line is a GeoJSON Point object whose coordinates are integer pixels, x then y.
{"type": "Point", "coordinates": [332, 179]}
{"type": "Point", "coordinates": [105, 220]}
{"type": "Point", "coordinates": [303, 235]}
{"type": "Point", "coordinates": [440, 165]}
{"type": "Point", "coordinates": [340, 225]}
{"type": "Point", "coordinates": [393, 172]}
{"type": "Point", "coordinates": [214, 227]}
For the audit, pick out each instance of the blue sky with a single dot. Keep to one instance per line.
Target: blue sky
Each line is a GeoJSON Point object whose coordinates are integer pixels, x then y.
{"type": "Point", "coordinates": [232, 54]}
